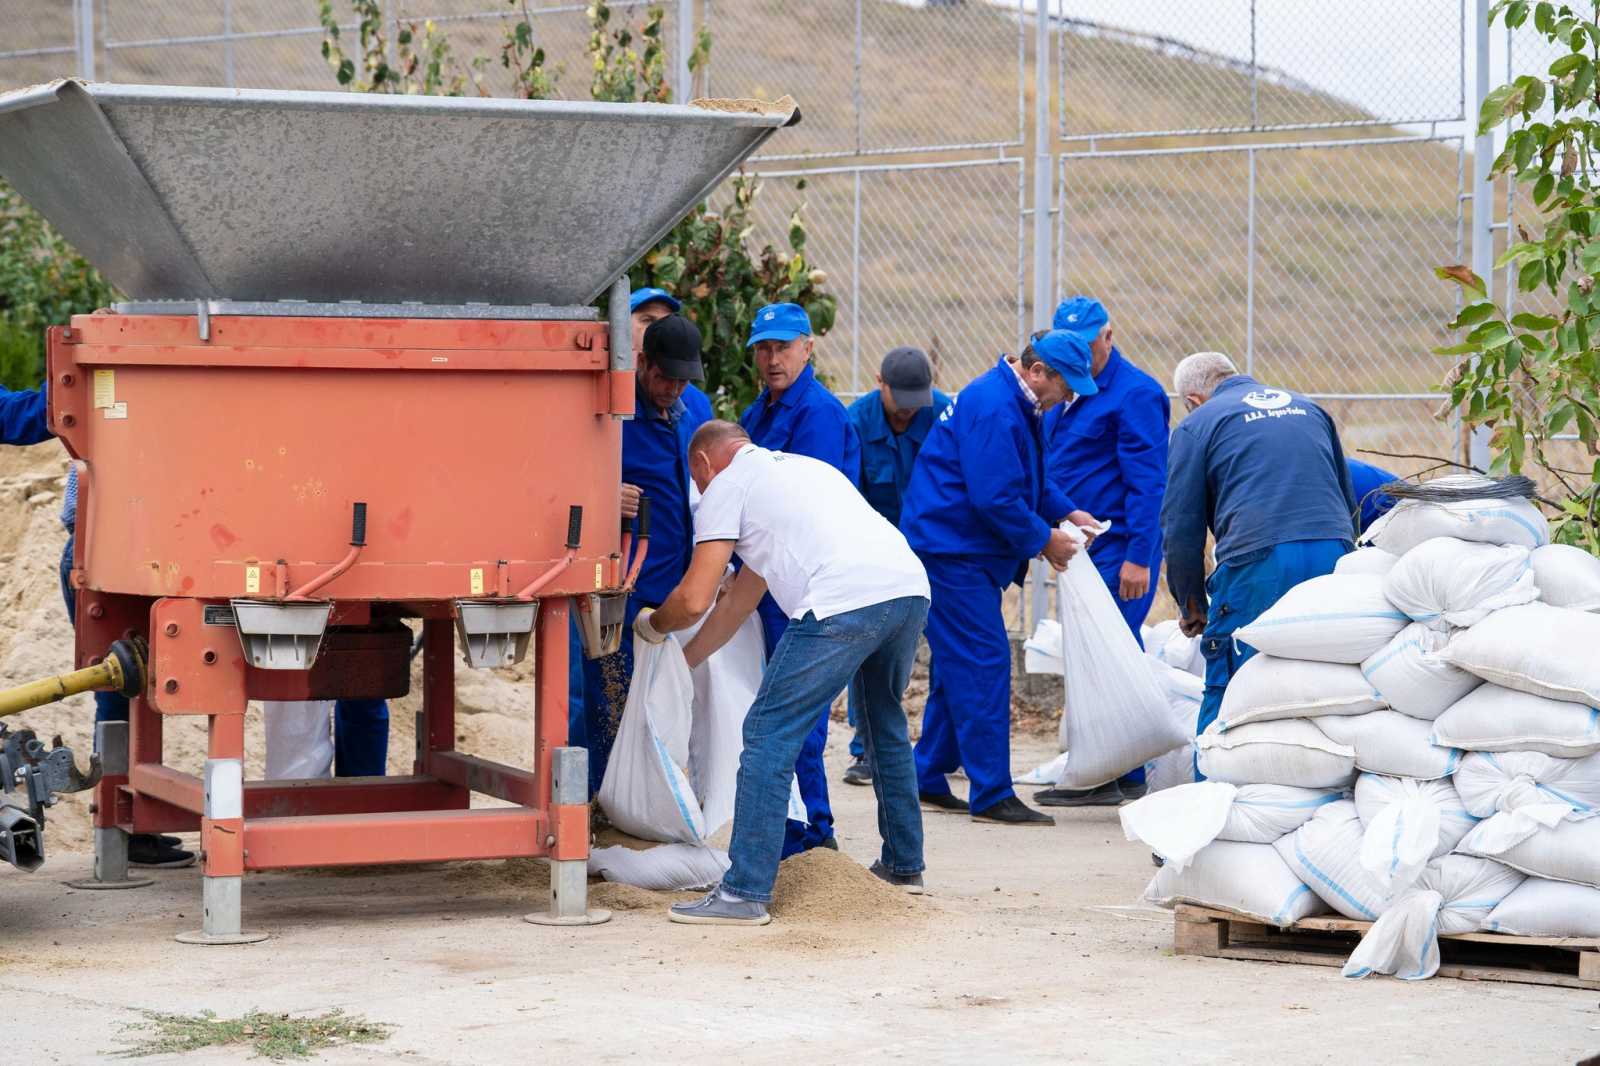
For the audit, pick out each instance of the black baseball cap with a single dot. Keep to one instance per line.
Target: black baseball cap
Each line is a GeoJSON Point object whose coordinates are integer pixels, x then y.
{"type": "Point", "coordinates": [673, 345]}
{"type": "Point", "coordinates": [909, 374]}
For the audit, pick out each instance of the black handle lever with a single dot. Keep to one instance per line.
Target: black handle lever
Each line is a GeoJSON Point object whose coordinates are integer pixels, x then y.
{"type": "Point", "coordinates": [644, 518]}
{"type": "Point", "coordinates": [358, 525]}
{"type": "Point", "coordinates": [574, 526]}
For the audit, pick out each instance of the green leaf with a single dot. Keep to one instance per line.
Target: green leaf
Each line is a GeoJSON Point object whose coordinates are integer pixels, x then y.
{"type": "Point", "coordinates": [1529, 320]}
{"type": "Point", "coordinates": [1543, 187]}
{"type": "Point", "coordinates": [1531, 276]}
{"type": "Point", "coordinates": [1566, 65]}
{"type": "Point", "coordinates": [1519, 251]}
{"type": "Point", "coordinates": [1490, 335]}
{"type": "Point", "coordinates": [1524, 150]}
{"type": "Point", "coordinates": [1589, 258]}
{"type": "Point", "coordinates": [1457, 349]}
{"type": "Point", "coordinates": [1493, 111]}
{"type": "Point", "coordinates": [1474, 313]}
{"type": "Point", "coordinates": [1462, 276]}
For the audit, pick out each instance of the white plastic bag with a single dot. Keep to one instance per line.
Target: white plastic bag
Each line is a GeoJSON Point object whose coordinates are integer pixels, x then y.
{"type": "Point", "coordinates": [1388, 742]}
{"type": "Point", "coordinates": [1267, 688]}
{"type": "Point", "coordinates": [1412, 675]}
{"type": "Point", "coordinates": [1535, 648]}
{"type": "Point", "coordinates": [1566, 849]}
{"type": "Point", "coordinates": [1248, 879]}
{"type": "Point", "coordinates": [1567, 577]}
{"type": "Point", "coordinates": [1453, 895]}
{"type": "Point", "coordinates": [1046, 773]}
{"type": "Point", "coordinates": [1290, 751]}
{"type": "Point", "coordinates": [1041, 653]}
{"type": "Point", "coordinates": [1325, 853]}
{"type": "Point", "coordinates": [1491, 718]}
{"type": "Point", "coordinates": [1447, 582]}
{"type": "Point", "coordinates": [1180, 821]}
{"type": "Point", "coordinates": [1335, 618]}
{"type": "Point", "coordinates": [1116, 717]}
{"type": "Point", "coordinates": [1486, 521]}
{"type": "Point", "coordinates": [1509, 780]}
{"type": "Point", "coordinates": [663, 868]}
{"type": "Point", "coordinates": [1366, 561]}
{"type": "Point", "coordinates": [1181, 653]}
{"type": "Point", "coordinates": [299, 735]}
{"type": "Point", "coordinates": [1539, 907]}
{"type": "Point", "coordinates": [1407, 824]}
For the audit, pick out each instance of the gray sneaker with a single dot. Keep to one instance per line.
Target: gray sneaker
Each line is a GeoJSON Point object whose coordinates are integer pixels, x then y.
{"type": "Point", "coordinates": [912, 883]}
{"type": "Point", "coordinates": [719, 908]}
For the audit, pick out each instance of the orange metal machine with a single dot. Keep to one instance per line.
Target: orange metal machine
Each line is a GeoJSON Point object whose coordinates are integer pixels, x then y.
{"type": "Point", "coordinates": [357, 382]}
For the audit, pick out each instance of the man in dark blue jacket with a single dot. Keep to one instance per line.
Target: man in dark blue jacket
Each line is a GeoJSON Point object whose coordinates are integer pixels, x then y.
{"type": "Point", "coordinates": [978, 507]}
{"type": "Point", "coordinates": [1109, 453]}
{"type": "Point", "coordinates": [655, 463]}
{"type": "Point", "coordinates": [796, 413]}
{"type": "Point", "coordinates": [1263, 470]}
{"type": "Point", "coordinates": [1367, 481]}
{"type": "Point", "coordinates": [892, 423]}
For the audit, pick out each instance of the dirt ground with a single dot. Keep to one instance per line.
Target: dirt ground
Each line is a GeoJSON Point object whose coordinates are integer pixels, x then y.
{"type": "Point", "coordinates": [1030, 947]}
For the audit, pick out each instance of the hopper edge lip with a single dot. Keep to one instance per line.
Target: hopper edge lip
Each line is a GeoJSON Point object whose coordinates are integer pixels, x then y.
{"type": "Point", "coordinates": [117, 93]}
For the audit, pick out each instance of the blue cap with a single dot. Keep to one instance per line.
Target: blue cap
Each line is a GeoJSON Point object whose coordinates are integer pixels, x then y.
{"type": "Point", "coordinates": [1067, 353]}
{"type": "Point", "coordinates": [640, 297]}
{"type": "Point", "coordinates": [779, 322]}
{"type": "Point", "coordinates": [1083, 315]}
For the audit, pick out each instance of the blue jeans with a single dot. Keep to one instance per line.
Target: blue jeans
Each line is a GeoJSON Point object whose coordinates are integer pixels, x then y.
{"type": "Point", "coordinates": [809, 772]}
{"type": "Point", "coordinates": [1108, 554]}
{"type": "Point", "coordinates": [360, 727]}
{"type": "Point", "coordinates": [1240, 591]}
{"type": "Point", "coordinates": [872, 650]}
{"type": "Point", "coordinates": [577, 732]}
{"type": "Point", "coordinates": [967, 721]}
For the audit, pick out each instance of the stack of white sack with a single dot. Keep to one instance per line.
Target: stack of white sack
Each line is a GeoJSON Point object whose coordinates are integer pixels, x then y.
{"type": "Point", "coordinates": [1122, 709]}
{"type": "Point", "coordinates": [674, 766]}
{"type": "Point", "coordinates": [1442, 675]}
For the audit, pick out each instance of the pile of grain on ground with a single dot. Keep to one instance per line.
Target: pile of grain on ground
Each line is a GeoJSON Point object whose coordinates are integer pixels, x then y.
{"type": "Point", "coordinates": [823, 885]}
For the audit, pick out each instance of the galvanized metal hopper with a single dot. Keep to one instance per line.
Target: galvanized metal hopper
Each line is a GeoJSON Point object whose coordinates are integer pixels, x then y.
{"type": "Point", "coordinates": [255, 195]}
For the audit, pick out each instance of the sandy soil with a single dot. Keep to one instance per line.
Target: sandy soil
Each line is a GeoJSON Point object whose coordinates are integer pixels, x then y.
{"type": "Point", "coordinates": [1030, 947]}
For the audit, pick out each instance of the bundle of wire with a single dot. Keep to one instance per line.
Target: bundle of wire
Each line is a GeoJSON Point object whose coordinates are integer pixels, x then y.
{"type": "Point", "coordinates": [1458, 487]}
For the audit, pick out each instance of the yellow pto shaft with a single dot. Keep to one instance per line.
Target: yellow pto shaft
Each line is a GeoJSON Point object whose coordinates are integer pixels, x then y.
{"type": "Point", "coordinates": [122, 670]}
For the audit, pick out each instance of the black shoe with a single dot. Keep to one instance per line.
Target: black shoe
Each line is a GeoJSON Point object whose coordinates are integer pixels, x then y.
{"type": "Point", "coordinates": [1156, 860]}
{"type": "Point", "coordinates": [1012, 811]}
{"type": "Point", "coordinates": [1107, 795]}
{"type": "Point", "coordinates": [145, 850]}
{"type": "Point", "coordinates": [169, 841]}
{"type": "Point", "coordinates": [858, 772]}
{"type": "Point", "coordinates": [912, 883]}
{"type": "Point", "coordinates": [832, 843]}
{"type": "Point", "coordinates": [943, 801]}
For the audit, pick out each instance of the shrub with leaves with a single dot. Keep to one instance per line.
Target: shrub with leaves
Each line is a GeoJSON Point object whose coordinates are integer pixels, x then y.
{"type": "Point", "coordinates": [706, 260]}
{"type": "Point", "coordinates": [1534, 376]}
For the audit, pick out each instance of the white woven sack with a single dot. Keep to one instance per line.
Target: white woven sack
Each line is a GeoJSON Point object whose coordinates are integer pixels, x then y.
{"type": "Point", "coordinates": [1486, 521]}
{"type": "Point", "coordinates": [1491, 718]}
{"type": "Point", "coordinates": [1041, 653]}
{"type": "Point", "coordinates": [1567, 577]}
{"type": "Point", "coordinates": [1536, 648]}
{"type": "Point", "coordinates": [1539, 907]}
{"type": "Point", "coordinates": [1183, 691]}
{"type": "Point", "coordinates": [1489, 782]}
{"type": "Point", "coordinates": [1366, 561]}
{"type": "Point", "coordinates": [1178, 822]}
{"type": "Point", "coordinates": [1447, 582]}
{"type": "Point", "coordinates": [1182, 653]}
{"type": "Point", "coordinates": [1566, 850]}
{"type": "Point", "coordinates": [1335, 618]}
{"type": "Point", "coordinates": [299, 737]}
{"type": "Point", "coordinates": [1412, 675]}
{"type": "Point", "coordinates": [1407, 824]}
{"type": "Point", "coordinates": [1249, 879]}
{"type": "Point", "coordinates": [1325, 853]}
{"type": "Point", "coordinates": [1267, 688]}
{"type": "Point", "coordinates": [1290, 751]}
{"type": "Point", "coordinates": [1388, 742]}
{"type": "Point", "coordinates": [1455, 894]}
{"type": "Point", "coordinates": [663, 868]}
{"type": "Point", "coordinates": [1116, 716]}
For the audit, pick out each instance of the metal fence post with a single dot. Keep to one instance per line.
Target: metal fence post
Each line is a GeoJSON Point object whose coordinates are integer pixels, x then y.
{"type": "Point", "coordinates": [1043, 258]}
{"type": "Point", "coordinates": [83, 25]}
{"type": "Point", "coordinates": [227, 44]}
{"type": "Point", "coordinates": [1482, 196]}
{"type": "Point", "coordinates": [682, 79]}
{"type": "Point", "coordinates": [1250, 268]}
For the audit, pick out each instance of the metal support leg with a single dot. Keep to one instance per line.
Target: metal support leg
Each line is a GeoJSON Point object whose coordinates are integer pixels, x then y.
{"type": "Point", "coordinates": [110, 842]}
{"type": "Point", "coordinates": [222, 838]}
{"type": "Point", "coordinates": [569, 877]}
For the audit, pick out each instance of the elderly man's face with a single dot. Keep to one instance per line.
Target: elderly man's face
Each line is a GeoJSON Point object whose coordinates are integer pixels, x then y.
{"type": "Point", "coordinates": [662, 391]}
{"type": "Point", "coordinates": [653, 311]}
{"type": "Point", "coordinates": [780, 363]}
{"type": "Point", "coordinates": [1049, 386]}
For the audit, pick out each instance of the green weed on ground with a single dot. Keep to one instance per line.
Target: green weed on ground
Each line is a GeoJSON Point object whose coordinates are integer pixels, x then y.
{"type": "Point", "coordinates": [271, 1036]}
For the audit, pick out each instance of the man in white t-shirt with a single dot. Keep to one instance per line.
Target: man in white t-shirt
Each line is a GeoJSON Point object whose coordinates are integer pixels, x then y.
{"type": "Point", "coordinates": [856, 596]}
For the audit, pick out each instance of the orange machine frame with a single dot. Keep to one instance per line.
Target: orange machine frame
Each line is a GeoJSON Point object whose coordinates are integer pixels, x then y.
{"type": "Point", "coordinates": [225, 466]}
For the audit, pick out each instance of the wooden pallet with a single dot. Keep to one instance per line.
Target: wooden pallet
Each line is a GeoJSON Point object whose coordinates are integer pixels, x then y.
{"type": "Point", "coordinates": [1571, 962]}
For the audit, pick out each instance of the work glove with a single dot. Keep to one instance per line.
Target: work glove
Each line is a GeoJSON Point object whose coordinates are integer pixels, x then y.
{"type": "Point", "coordinates": [644, 630]}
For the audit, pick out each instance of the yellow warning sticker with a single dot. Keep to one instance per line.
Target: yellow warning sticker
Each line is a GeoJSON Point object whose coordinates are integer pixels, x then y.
{"type": "Point", "coordinates": [477, 581]}
{"type": "Point", "coordinates": [105, 388]}
{"type": "Point", "coordinates": [599, 575]}
{"type": "Point", "coordinates": [252, 579]}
